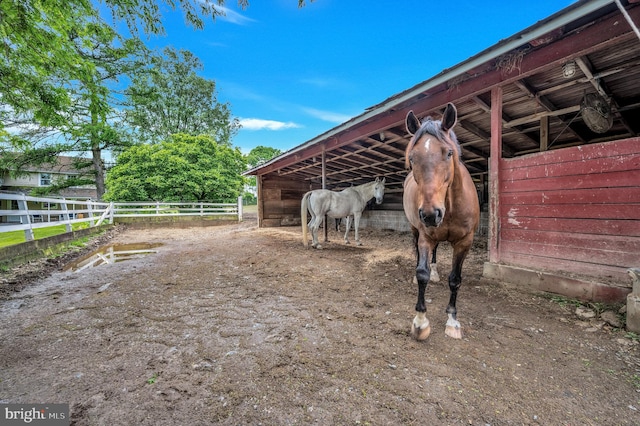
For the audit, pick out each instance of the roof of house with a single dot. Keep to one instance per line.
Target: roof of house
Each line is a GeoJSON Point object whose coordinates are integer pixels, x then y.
{"type": "Point", "coordinates": [64, 165]}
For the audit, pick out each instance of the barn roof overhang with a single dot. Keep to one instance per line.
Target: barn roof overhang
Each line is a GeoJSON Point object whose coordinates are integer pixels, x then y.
{"type": "Point", "coordinates": [541, 100]}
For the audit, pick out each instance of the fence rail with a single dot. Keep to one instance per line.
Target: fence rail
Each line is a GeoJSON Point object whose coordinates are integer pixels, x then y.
{"type": "Point", "coordinates": [26, 213]}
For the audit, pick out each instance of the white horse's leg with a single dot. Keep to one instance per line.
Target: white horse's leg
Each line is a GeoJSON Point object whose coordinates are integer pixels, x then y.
{"type": "Point", "coordinates": [314, 231]}
{"type": "Point", "coordinates": [356, 223]}
{"type": "Point", "coordinates": [319, 221]}
{"type": "Point", "coordinates": [313, 228]}
{"type": "Point", "coordinates": [346, 231]}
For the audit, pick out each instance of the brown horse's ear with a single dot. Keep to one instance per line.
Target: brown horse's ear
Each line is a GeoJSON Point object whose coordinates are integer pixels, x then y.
{"type": "Point", "coordinates": [449, 117]}
{"type": "Point", "coordinates": [412, 123]}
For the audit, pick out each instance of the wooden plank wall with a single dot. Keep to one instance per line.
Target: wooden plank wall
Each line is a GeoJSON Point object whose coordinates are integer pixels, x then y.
{"type": "Point", "coordinates": [279, 200]}
{"type": "Point", "coordinates": [574, 210]}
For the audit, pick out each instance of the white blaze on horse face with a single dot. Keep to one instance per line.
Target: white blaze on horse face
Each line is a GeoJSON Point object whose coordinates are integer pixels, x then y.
{"type": "Point", "coordinates": [427, 143]}
{"type": "Point", "coordinates": [379, 193]}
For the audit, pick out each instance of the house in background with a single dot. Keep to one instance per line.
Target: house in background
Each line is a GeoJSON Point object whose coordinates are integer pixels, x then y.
{"type": "Point", "coordinates": [41, 176]}
{"type": "Point", "coordinates": [46, 175]}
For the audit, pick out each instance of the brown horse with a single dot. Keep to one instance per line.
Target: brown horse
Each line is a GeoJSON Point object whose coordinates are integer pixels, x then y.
{"type": "Point", "coordinates": [441, 203]}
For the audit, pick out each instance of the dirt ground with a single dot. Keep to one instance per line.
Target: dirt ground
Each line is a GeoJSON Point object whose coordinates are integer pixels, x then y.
{"type": "Point", "coordinates": [239, 325]}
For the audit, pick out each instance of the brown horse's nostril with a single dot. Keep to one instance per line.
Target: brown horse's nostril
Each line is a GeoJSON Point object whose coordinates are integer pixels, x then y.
{"type": "Point", "coordinates": [439, 215]}
{"type": "Point", "coordinates": [422, 216]}
{"type": "Point", "coordinates": [433, 218]}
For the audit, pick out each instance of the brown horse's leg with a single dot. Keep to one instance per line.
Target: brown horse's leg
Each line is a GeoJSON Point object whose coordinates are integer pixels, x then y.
{"type": "Point", "coordinates": [460, 251]}
{"type": "Point", "coordinates": [420, 328]}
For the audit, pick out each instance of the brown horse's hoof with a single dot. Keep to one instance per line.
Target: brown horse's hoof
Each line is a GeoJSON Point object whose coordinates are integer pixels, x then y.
{"type": "Point", "coordinates": [453, 328]}
{"type": "Point", "coordinates": [420, 333]}
{"type": "Point", "coordinates": [453, 332]}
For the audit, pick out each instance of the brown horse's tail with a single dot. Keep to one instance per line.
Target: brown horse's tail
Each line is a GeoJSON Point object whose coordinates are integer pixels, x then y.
{"type": "Point", "coordinates": [303, 216]}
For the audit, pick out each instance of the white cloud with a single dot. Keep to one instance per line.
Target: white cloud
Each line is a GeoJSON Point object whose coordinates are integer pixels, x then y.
{"type": "Point", "coordinates": [332, 117]}
{"type": "Point", "coordinates": [232, 16]}
{"type": "Point", "coordinates": [259, 124]}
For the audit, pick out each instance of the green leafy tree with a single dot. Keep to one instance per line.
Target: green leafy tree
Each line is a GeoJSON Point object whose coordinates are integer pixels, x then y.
{"type": "Point", "coordinates": [90, 123]}
{"type": "Point", "coordinates": [256, 157]}
{"type": "Point", "coordinates": [39, 54]}
{"type": "Point", "coordinates": [261, 154]}
{"type": "Point", "coordinates": [56, 61]}
{"type": "Point", "coordinates": [181, 168]}
{"type": "Point", "coordinates": [169, 97]}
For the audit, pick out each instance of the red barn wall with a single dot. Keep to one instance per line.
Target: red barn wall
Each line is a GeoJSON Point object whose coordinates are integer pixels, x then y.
{"type": "Point", "coordinates": [574, 210]}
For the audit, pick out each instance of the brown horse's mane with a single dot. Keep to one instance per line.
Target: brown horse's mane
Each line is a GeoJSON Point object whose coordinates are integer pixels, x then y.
{"type": "Point", "coordinates": [434, 128]}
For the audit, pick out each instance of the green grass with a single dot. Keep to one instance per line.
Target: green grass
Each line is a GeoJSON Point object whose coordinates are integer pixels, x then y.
{"type": "Point", "coordinates": [16, 237]}
{"type": "Point", "coordinates": [63, 248]}
{"type": "Point", "coordinates": [562, 300]}
{"type": "Point", "coordinates": [250, 208]}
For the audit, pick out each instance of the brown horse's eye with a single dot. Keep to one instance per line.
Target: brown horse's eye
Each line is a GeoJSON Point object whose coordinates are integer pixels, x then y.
{"type": "Point", "coordinates": [450, 154]}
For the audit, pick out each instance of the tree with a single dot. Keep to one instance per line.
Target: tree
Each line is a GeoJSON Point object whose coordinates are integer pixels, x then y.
{"type": "Point", "coordinates": [57, 55]}
{"type": "Point", "coordinates": [169, 97]}
{"type": "Point", "coordinates": [90, 122]}
{"type": "Point", "coordinates": [38, 56]}
{"type": "Point", "coordinates": [256, 157]}
{"type": "Point", "coordinates": [38, 53]}
{"type": "Point", "coordinates": [261, 154]}
{"type": "Point", "coordinates": [181, 168]}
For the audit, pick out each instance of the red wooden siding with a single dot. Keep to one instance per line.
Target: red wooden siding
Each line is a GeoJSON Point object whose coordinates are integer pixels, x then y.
{"type": "Point", "coordinates": [574, 210]}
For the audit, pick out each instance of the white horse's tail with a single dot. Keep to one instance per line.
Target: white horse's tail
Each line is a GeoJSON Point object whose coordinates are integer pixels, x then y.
{"type": "Point", "coordinates": [303, 216]}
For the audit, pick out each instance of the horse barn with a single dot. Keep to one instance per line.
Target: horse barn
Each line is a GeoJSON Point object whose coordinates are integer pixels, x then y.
{"type": "Point", "coordinates": [549, 125]}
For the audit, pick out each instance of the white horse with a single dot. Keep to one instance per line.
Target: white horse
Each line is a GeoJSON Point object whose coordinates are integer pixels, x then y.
{"type": "Point", "coordinates": [348, 202]}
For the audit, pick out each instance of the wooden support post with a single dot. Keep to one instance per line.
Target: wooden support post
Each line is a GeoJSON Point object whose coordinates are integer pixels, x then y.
{"type": "Point", "coordinates": [324, 186]}
{"type": "Point", "coordinates": [65, 215]}
{"type": "Point", "coordinates": [25, 218]}
{"type": "Point", "coordinates": [544, 133]}
{"type": "Point", "coordinates": [260, 201]}
{"type": "Point", "coordinates": [494, 174]}
{"type": "Point", "coordinates": [90, 213]}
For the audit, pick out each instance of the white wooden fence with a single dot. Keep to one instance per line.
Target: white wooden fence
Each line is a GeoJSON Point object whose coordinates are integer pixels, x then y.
{"type": "Point", "coordinates": [62, 211]}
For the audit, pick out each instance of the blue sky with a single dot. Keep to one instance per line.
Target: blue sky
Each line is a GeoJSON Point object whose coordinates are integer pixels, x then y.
{"type": "Point", "coordinates": [290, 74]}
